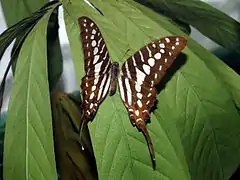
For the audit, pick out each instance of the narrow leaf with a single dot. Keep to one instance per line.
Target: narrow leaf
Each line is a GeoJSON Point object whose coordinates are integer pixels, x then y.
{"type": "Point", "coordinates": [3, 117]}
{"type": "Point", "coordinates": [28, 146]}
{"type": "Point", "coordinates": [54, 54]}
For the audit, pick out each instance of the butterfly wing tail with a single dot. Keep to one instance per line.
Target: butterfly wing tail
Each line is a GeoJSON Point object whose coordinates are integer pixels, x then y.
{"type": "Point", "coordinates": [141, 126]}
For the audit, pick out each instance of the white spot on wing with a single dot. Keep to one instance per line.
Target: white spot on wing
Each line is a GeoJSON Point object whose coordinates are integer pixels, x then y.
{"type": "Point", "coordinates": [138, 87]}
{"type": "Point", "coordinates": [96, 80]}
{"type": "Point", "coordinates": [139, 103]}
{"type": "Point", "coordinates": [94, 43]}
{"type": "Point", "coordinates": [139, 95]}
{"type": "Point", "coordinates": [94, 31]}
{"type": "Point", "coordinates": [162, 51]}
{"type": "Point", "coordinates": [160, 67]}
{"type": "Point", "coordinates": [98, 67]}
{"type": "Point", "coordinates": [151, 62]}
{"type": "Point", "coordinates": [91, 105]}
{"type": "Point", "coordinates": [96, 58]}
{"type": "Point", "coordinates": [167, 40]}
{"type": "Point", "coordinates": [177, 43]}
{"type": "Point", "coordinates": [92, 95]}
{"type": "Point", "coordinates": [161, 45]}
{"type": "Point", "coordinates": [140, 75]}
{"type": "Point", "coordinates": [146, 69]}
{"type": "Point", "coordinates": [94, 88]}
{"type": "Point", "coordinates": [157, 55]}
{"type": "Point", "coordinates": [173, 47]}
{"type": "Point", "coordinates": [95, 51]}
{"type": "Point", "coordinates": [137, 112]}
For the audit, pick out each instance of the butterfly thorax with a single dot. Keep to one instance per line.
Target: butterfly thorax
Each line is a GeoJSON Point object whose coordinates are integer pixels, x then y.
{"type": "Point", "coordinates": [114, 76]}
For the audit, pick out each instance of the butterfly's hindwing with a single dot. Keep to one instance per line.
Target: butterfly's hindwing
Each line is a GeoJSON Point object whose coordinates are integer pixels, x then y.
{"type": "Point", "coordinates": [94, 90]}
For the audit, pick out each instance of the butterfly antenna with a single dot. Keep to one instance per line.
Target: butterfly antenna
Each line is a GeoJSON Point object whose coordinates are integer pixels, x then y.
{"type": "Point", "coordinates": [141, 125]}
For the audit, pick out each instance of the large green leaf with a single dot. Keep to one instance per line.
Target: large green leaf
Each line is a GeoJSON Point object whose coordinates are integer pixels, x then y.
{"type": "Point", "coordinates": [112, 131]}
{"type": "Point", "coordinates": [221, 28]}
{"type": "Point", "coordinates": [194, 100]}
{"type": "Point", "coordinates": [222, 72]}
{"type": "Point", "coordinates": [28, 146]}
{"type": "Point", "coordinates": [16, 10]}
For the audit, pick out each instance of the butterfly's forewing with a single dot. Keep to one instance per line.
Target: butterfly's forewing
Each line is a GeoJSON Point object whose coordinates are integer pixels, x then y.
{"type": "Point", "coordinates": [96, 82]}
{"type": "Point", "coordinates": [141, 72]}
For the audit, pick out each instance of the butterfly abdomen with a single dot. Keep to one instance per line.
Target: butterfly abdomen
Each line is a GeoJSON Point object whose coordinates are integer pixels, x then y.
{"type": "Point", "coordinates": [114, 76]}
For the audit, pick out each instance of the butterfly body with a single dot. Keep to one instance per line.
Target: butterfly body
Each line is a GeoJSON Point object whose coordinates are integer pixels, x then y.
{"type": "Point", "coordinates": [136, 80]}
{"type": "Point", "coordinates": [114, 77]}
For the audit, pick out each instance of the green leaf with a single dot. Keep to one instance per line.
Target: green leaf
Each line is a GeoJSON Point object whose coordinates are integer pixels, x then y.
{"type": "Point", "coordinates": [189, 128]}
{"type": "Point", "coordinates": [222, 72]}
{"type": "Point", "coordinates": [221, 28]}
{"type": "Point", "coordinates": [28, 146]}
{"type": "Point", "coordinates": [111, 131]}
{"type": "Point", "coordinates": [16, 10]}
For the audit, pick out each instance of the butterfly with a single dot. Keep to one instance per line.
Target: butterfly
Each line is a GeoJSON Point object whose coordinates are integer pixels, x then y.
{"type": "Point", "coordinates": [136, 80]}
